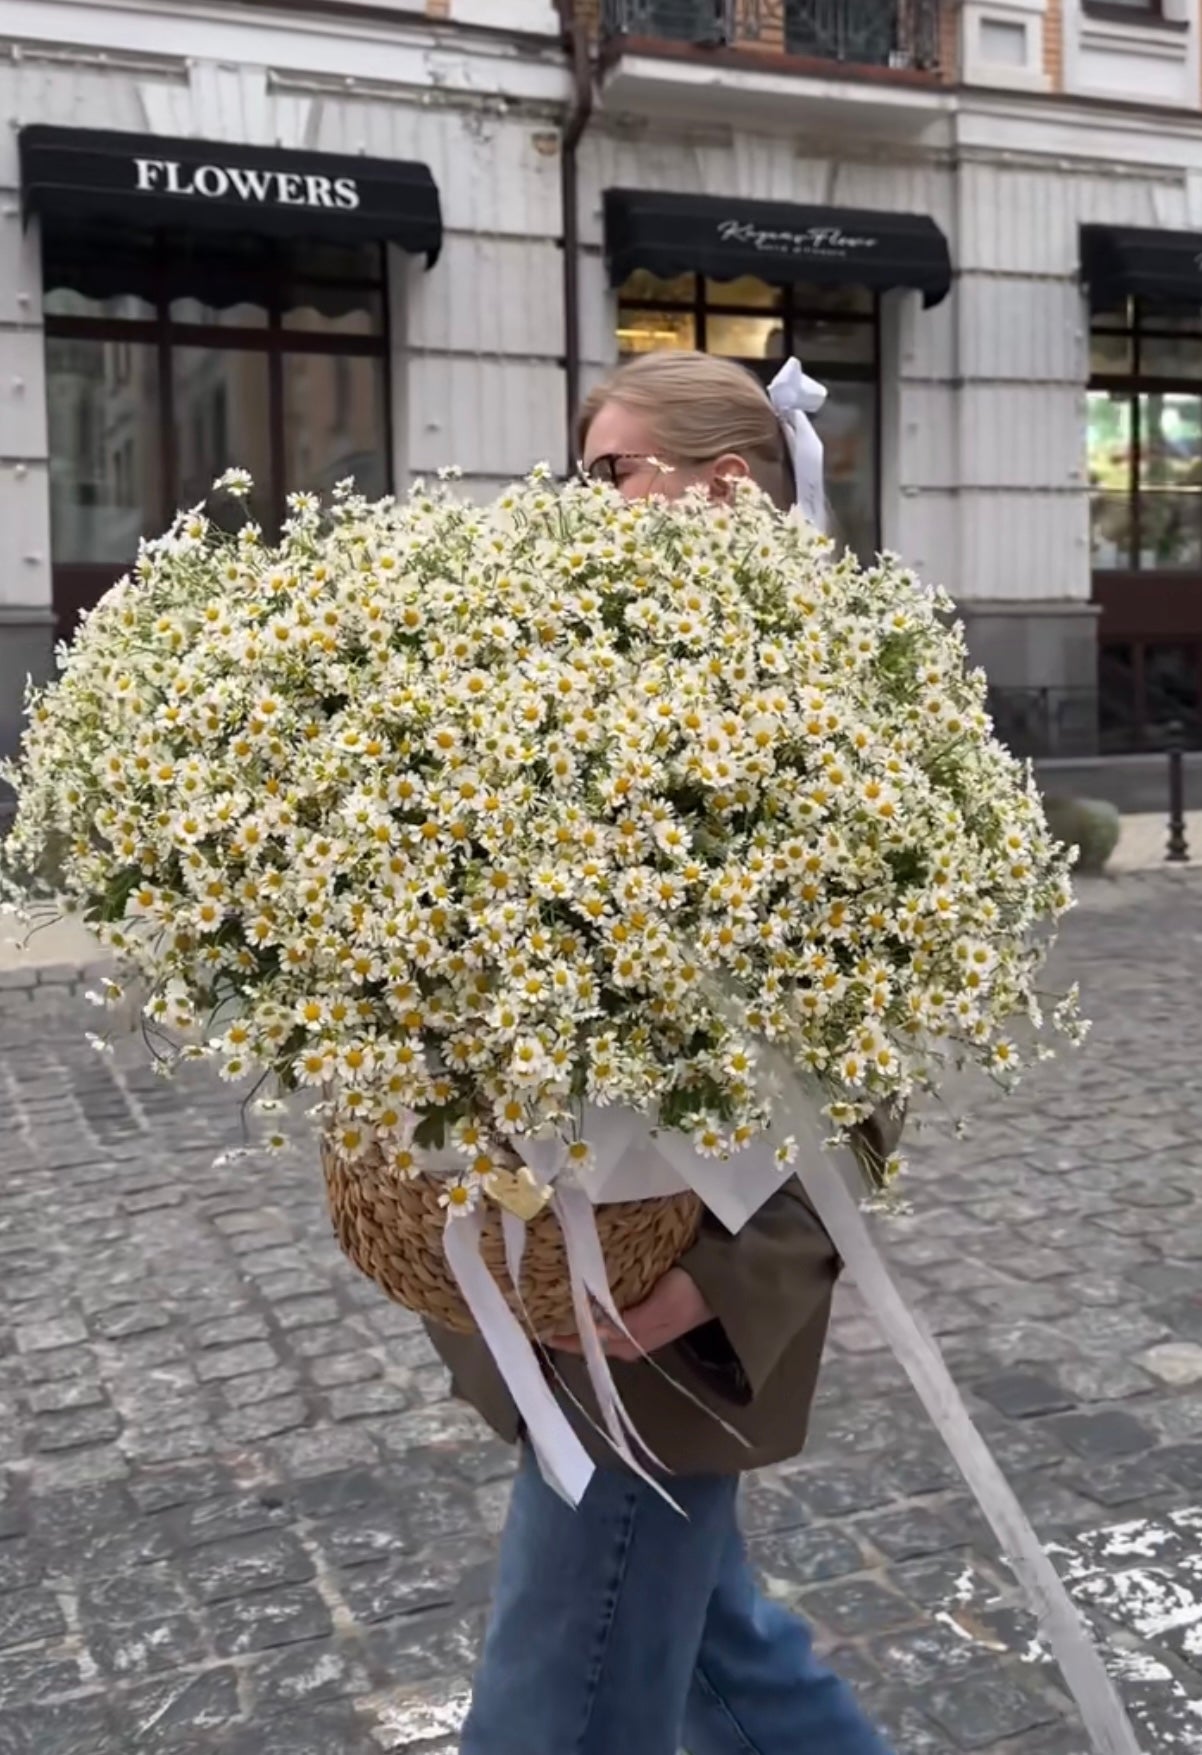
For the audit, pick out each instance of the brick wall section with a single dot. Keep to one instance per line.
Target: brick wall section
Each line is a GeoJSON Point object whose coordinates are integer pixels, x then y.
{"type": "Point", "coordinates": [759, 26]}
{"type": "Point", "coordinates": [1053, 44]}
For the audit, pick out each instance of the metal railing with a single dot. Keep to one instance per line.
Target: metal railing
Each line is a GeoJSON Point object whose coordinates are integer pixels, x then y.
{"type": "Point", "coordinates": [903, 34]}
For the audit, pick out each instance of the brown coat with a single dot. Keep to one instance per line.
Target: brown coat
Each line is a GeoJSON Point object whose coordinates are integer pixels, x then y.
{"type": "Point", "coordinates": [756, 1365]}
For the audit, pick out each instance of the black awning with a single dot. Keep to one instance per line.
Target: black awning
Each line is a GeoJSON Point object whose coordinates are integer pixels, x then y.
{"type": "Point", "coordinates": [1122, 262]}
{"type": "Point", "coordinates": [775, 241]}
{"type": "Point", "coordinates": [147, 181]}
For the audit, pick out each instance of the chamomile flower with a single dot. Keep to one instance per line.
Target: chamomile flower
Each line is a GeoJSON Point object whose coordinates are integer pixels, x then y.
{"type": "Point", "coordinates": [459, 815]}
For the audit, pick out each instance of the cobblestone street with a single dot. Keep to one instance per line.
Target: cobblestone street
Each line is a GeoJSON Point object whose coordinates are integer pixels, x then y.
{"type": "Point", "coordinates": [238, 1512]}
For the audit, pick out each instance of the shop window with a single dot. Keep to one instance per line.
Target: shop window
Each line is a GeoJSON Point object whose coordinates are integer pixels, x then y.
{"type": "Point", "coordinates": [834, 330]}
{"type": "Point", "coordinates": [1145, 440]}
{"type": "Point", "coordinates": [169, 358]}
{"type": "Point", "coordinates": [1149, 693]}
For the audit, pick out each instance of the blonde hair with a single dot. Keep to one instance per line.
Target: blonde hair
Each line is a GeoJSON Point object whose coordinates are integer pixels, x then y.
{"type": "Point", "coordinates": [699, 407]}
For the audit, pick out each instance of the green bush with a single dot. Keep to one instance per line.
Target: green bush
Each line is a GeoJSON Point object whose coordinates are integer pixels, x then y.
{"type": "Point", "coordinates": [1089, 824]}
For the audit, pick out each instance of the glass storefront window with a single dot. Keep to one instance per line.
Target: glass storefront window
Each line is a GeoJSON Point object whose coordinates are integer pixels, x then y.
{"type": "Point", "coordinates": [745, 338]}
{"type": "Point", "coordinates": [1111, 450]}
{"type": "Point", "coordinates": [648, 331]}
{"type": "Point", "coordinates": [335, 421]}
{"type": "Point", "coordinates": [220, 406]}
{"type": "Point", "coordinates": [1145, 473]}
{"type": "Point", "coordinates": [106, 478]}
{"type": "Point", "coordinates": [1170, 481]}
{"type": "Point", "coordinates": [1145, 440]}
{"type": "Point", "coordinates": [213, 316]}
{"type": "Point", "coordinates": [742, 293]}
{"type": "Point", "coordinates": [167, 363]}
{"type": "Point", "coordinates": [848, 425]}
{"type": "Point", "coordinates": [834, 329]}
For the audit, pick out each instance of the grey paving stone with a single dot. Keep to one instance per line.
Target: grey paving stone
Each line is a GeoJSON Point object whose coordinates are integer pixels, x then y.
{"type": "Point", "coordinates": [374, 1397]}
{"type": "Point", "coordinates": [261, 1420]}
{"type": "Point", "coordinates": [46, 1337]}
{"type": "Point", "coordinates": [917, 1530]}
{"type": "Point", "coordinates": [313, 1730]}
{"type": "Point", "coordinates": [267, 1619]}
{"type": "Point", "coordinates": [34, 1674]}
{"type": "Point", "coordinates": [228, 1331]}
{"type": "Point", "coordinates": [215, 1365]}
{"type": "Point", "coordinates": [58, 1398]}
{"type": "Point", "coordinates": [248, 1563]}
{"type": "Point", "coordinates": [855, 1608]}
{"type": "Point", "coordinates": [172, 1712]}
{"type": "Point", "coordinates": [1024, 1393]}
{"type": "Point", "coordinates": [226, 1516]}
{"type": "Point", "coordinates": [77, 1431]}
{"type": "Point", "coordinates": [135, 1651]}
{"type": "Point", "coordinates": [130, 1319]}
{"type": "Point", "coordinates": [305, 1675]}
{"type": "Point", "coordinates": [123, 1599]}
{"type": "Point", "coordinates": [28, 1615]}
{"type": "Point", "coordinates": [341, 1369]}
{"type": "Point", "coordinates": [981, 1710]}
{"type": "Point", "coordinates": [808, 1556]}
{"type": "Point", "coordinates": [77, 1727]}
{"type": "Point", "coordinates": [1103, 1437]}
{"type": "Point", "coordinates": [324, 1450]}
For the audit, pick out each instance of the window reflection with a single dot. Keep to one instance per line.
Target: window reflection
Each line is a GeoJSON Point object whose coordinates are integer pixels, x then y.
{"type": "Point", "coordinates": [170, 358]}
{"type": "Point", "coordinates": [650, 331]}
{"type": "Point", "coordinates": [105, 447]}
{"type": "Point", "coordinates": [1170, 481]}
{"type": "Point", "coordinates": [220, 406]}
{"type": "Point", "coordinates": [335, 422]}
{"type": "Point", "coordinates": [745, 338]}
{"type": "Point", "coordinates": [847, 426]}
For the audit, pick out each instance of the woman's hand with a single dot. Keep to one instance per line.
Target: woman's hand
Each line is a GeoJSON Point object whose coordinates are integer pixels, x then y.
{"type": "Point", "coordinates": [674, 1308]}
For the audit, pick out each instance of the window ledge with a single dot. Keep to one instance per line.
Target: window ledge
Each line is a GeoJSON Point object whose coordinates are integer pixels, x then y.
{"type": "Point", "coordinates": [1122, 21]}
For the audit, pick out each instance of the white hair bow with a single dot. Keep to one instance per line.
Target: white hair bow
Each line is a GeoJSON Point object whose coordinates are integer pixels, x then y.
{"type": "Point", "coordinates": [795, 397]}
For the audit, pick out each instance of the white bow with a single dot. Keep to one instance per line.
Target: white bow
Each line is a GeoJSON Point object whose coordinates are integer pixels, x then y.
{"type": "Point", "coordinates": [795, 397]}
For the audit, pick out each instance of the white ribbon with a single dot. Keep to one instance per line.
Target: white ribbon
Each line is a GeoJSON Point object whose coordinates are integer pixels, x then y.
{"type": "Point", "coordinates": [634, 1160]}
{"type": "Point", "coordinates": [564, 1462]}
{"type": "Point", "coordinates": [1102, 1712]}
{"type": "Point", "coordinates": [795, 397]}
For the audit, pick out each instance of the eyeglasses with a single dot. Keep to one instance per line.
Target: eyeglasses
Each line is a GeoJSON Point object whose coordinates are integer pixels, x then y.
{"type": "Point", "coordinates": [606, 467]}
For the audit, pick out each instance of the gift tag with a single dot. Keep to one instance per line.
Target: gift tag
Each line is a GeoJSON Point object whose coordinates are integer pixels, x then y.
{"type": "Point", "coordinates": [519, 1192]}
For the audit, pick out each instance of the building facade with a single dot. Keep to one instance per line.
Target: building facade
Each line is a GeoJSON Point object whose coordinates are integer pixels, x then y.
{"type": "Point", "coordinates": [361, 237]}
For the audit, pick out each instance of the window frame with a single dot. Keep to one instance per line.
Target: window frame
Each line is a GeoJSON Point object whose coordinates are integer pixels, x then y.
{"type": "Point", "coordinates": [1114, 12]}
{"type": "Point", "coordinates": [83, 582]}
{"type": "Point", "coordinates": [1132, 386]}
{"type": "Point", "coordinates": [1145, 608]}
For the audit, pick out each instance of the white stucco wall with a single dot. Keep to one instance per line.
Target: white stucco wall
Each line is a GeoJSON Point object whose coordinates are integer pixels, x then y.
{"type": "Point", "coordinates": [983, 468]}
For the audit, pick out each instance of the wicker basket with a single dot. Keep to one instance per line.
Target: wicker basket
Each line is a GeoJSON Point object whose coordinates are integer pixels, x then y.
{"type": "Point", "coordinates": [392, 1231]}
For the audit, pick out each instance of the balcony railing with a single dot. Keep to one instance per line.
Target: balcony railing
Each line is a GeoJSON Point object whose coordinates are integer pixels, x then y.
{"type": "Point", "coordinates": [903, 34]}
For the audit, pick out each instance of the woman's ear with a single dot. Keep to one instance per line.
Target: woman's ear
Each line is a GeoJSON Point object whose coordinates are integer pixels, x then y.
{"type": "Point", "coordinates": [728, 468]}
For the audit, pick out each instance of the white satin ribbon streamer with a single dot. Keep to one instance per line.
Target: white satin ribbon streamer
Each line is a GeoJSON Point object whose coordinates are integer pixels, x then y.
{"type": "Point", "coordinates": [635, 1161]}
{"type": "Point", "coordinates": [1102, 1712]}
{"type": "Point", "coordinates": [565, 1463]}
{"type": "Point", "coordinates": [795, 397]}
{"type": "Point", "coordinates": [590, 1283]}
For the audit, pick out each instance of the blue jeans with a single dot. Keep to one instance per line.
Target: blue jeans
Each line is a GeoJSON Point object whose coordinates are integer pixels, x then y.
{"type": "Point", "coordinates": [625, 1629]}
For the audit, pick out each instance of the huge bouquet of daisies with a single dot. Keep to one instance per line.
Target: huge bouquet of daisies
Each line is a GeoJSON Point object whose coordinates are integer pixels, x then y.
{"type": "Point", "coordinates": [482, 820]}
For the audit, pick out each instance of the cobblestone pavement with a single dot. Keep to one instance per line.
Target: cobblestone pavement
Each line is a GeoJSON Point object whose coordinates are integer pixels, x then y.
{"type": "Point", "coordinates": [239, 1514]}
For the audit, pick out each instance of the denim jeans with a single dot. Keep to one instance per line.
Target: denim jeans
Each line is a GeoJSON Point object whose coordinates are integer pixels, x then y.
{"type": "Point", "coordinates": [623, 1628]}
